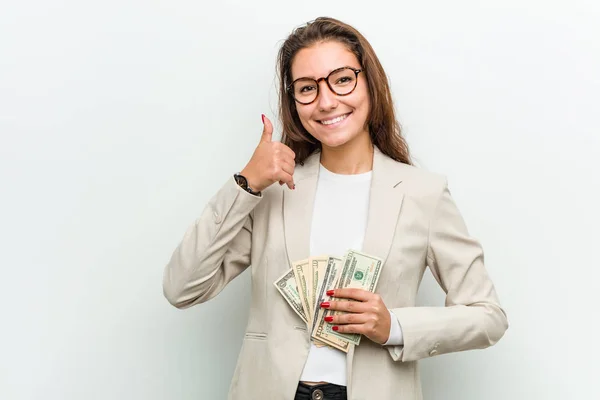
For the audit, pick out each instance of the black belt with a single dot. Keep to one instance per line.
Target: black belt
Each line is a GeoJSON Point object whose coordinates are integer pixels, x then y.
{"type": "Point", "coordinates": [325, 391]}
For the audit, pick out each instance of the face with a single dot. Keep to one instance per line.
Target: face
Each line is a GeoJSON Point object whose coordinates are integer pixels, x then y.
{"type": "Point", "coordinates": [332, 119]}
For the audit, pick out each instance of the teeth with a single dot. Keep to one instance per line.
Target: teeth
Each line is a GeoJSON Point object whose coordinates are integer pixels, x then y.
{"type": "Point", "coordinates": [335, 120]}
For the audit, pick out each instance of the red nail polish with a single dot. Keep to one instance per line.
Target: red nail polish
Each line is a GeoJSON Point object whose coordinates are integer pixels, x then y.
{"type": "Point", "coordinates": [336, 328]}
{"type": "Point", "coordinates": [330, 292]}
{"type": "Point", "coordinates": [263, 117]}
{"type": "Point", "coordinates": [294, 187]}
{"type": "Point", "coordinates": [325, 304]}
{"type": "Point", "coordinates": [329, 319]}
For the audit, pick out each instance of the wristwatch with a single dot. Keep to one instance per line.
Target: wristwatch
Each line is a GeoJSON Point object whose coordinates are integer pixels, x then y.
{"type": "Point", "coordinates": [243, 183]}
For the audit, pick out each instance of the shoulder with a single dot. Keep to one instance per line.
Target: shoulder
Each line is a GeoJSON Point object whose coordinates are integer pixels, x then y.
{"type": "Point", "coordinates": [423, 189]}
{"type": "Point", "coordinates": [416, 181]}
{"type": "Point", "coordinates": [421, 179]}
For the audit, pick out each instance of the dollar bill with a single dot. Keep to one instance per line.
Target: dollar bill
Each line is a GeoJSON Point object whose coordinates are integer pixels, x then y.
{"type": "Point", "coordinates": [331, 275]}
{"type": "Point", "coordinates": [322, 330]}
{"type": "Point", "coordinates": [286, 285]}
{"type": "Point", "coordinates": [304, 281]}
{"type": "Point", "coordinates": [360, 271]}
{"type": "Point", "coordinates": [317, 268]}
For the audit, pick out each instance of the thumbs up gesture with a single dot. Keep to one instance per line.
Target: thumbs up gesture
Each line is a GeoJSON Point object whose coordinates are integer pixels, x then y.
{"type": "Point", "coordinates": [271, 162]}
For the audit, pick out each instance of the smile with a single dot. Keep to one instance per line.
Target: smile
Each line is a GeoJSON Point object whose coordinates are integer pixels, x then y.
{"type": "Point", "coordinates": [334, 120]}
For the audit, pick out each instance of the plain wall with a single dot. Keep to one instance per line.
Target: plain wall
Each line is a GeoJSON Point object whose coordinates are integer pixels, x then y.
{"type": "Point", "coordinates": [120, 119]}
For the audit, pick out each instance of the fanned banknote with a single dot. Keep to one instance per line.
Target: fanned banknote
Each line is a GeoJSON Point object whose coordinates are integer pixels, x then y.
{"type": "Point", "coordinates": [318, 265]}
{"type": "Point", "coordinates": [304, 282]}
{"type": "Point", "coordinates": [286, 285]}
{"type": "Point", "coordinates": [320, 331]}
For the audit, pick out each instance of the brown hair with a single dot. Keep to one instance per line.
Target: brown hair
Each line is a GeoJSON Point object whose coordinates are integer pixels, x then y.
{"type": "Point", "coordinates": [383, 127]}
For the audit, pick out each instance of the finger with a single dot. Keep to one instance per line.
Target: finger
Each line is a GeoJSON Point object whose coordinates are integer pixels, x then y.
{"type": "Point", "coordinates": [267, 134]}
{"type": "Point", "coordinates": [348, 318]}
{"type": "Point", "coordinates": [286, 178]}
{"type": "Point", "coordinates": [348, 306]}
{"type": "Point", "coordinates": [288, 152]}
{"type": "Point", "coordinates": [285, 152]}
{"type": "Point", "coordinates": [351, 328]}
{"type": "Point", "coordinates": [355, 294]}
{"type": "Point", "coordinates": [287, 167]}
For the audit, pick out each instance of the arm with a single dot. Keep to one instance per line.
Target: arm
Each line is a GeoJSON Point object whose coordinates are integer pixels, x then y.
{"type": "Point", "coordinates": [217, 247]}
{"type": "Point", "coordinates": [472, 317]}
{"type": "Point", "coordinates": [214, 250]}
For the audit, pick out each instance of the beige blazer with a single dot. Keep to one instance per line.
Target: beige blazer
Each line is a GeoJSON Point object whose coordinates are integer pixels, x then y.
{"type": "Point", "coordinates": [413, 223]}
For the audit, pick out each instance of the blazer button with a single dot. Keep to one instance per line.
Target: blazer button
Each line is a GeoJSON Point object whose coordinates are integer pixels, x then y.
{"type": "Point", "coordinates": [317, 395]}
{"type": "Point", "coordinates": [217, 217]}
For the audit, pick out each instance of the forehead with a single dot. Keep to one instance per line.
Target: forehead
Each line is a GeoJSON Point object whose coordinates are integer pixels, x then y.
{"type": "Point", "coordinates": [322, 58]}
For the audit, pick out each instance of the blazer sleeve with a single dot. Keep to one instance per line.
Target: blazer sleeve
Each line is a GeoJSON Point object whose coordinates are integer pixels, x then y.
{"type": "Point", "coordinates": [214, 250]}
{"type": "Point", "coordinates": [472, 317]}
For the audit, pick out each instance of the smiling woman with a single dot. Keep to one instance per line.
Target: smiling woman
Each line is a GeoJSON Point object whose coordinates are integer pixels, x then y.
{"type": "Point", "coordinates": [357, 189]}
{"type": "Point", "coordinates": [328, 71]}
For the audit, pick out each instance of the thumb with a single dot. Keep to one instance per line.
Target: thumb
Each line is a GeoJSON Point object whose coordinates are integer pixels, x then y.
{"type": "Point", "coordinates": [267, 134]}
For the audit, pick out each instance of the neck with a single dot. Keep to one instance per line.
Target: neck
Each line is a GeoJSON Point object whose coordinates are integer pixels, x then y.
{"type": "Point", "coordinates": [354, 157]}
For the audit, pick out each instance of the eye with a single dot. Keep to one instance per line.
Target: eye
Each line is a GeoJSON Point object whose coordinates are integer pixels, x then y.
{"type": "Point", "coordinates": [344, 80]}
{"type": "Point", "coordinates": [307, 89]}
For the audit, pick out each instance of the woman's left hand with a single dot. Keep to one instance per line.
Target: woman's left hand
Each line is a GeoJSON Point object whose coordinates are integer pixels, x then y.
{"type": "Point", "coordinates": [367, 316]}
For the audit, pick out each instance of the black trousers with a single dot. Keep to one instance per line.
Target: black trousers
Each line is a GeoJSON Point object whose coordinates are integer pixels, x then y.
{"type": "Point", "coordinates": [326, 391]}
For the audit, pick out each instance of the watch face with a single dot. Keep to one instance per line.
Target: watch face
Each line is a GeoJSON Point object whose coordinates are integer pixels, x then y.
{"type": "Point", "coordinates": [241, 181]}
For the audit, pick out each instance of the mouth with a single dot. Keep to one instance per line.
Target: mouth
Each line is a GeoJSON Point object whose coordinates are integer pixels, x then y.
{"type": "Point", "coordinates": [334, 121]}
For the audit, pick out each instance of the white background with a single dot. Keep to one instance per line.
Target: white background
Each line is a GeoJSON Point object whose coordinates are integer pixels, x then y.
{"type": "Point", "coordinates": [120, 119]}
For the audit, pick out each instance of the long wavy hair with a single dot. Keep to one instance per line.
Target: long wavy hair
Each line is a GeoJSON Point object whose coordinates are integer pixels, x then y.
{"type": "Point", "coordinates": [382, 125]}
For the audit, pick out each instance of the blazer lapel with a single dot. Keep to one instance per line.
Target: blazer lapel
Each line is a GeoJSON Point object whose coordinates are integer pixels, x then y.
{"type": "Point", "coordinates": [385, 201]}
{"type": "Point", "coordinates": [298, 209]}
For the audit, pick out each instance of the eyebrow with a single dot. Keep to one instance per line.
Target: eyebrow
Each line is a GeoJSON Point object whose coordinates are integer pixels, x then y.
{"type": "Point", "coordinates": [313, 78]}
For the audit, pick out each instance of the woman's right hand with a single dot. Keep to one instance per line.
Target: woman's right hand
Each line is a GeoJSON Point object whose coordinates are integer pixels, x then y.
{"type": "Point", "coordinates": [271, 162]}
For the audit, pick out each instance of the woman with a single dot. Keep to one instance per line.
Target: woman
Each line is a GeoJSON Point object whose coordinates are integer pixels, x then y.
{"type": "Point", "coordinates": [345, 182]}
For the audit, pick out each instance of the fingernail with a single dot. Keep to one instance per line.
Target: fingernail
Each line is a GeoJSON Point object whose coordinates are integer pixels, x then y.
{"type": "Point", "coordinates": [330, 292]}
{"type": "Point", "coordinates": [329, 319]}
{"type": "Point", "coordinates": [325, 304]}
{"type": "Point", "coordinates": [335, 328]}
{"type": "Point", "coordinates": [294, 187]}
{"type": "Point", "coordinates": [263, 117]}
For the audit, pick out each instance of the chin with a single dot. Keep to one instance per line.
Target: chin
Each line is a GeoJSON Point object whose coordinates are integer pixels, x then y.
{"type": "Point", "coordinates": [337, 140]}
{"type": "Point", "coordinates": [330, 141]}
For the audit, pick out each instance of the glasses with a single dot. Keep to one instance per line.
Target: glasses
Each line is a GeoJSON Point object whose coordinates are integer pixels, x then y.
{"type": "Point", "coordinates": [341, 81]}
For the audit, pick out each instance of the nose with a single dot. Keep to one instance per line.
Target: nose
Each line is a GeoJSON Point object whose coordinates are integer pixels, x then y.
{"type": "Point", "coordinates": [327, 99]}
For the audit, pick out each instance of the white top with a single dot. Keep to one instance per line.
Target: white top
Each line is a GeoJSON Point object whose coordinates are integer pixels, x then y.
{"type": "Point", "coordinates": [333, 232]}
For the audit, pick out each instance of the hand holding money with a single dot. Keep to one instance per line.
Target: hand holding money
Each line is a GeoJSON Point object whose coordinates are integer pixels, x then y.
{"type": "Point", "coordinates": [367, 315]}
{"type": "Point", "coordinates": [308, 284]}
